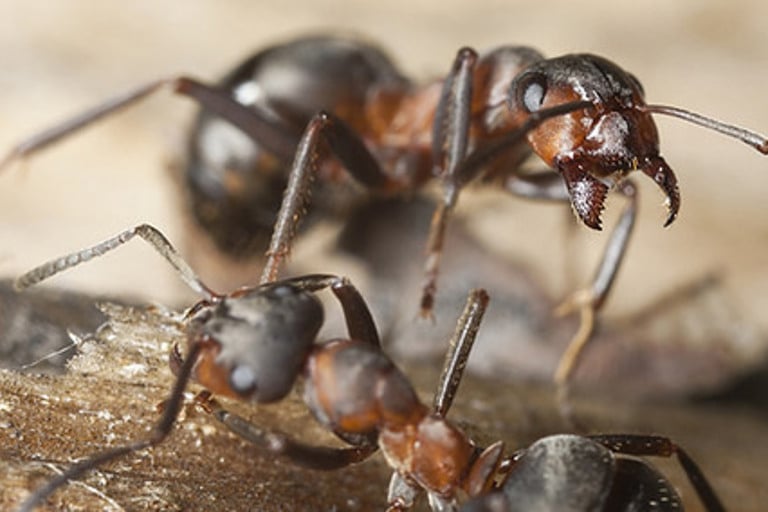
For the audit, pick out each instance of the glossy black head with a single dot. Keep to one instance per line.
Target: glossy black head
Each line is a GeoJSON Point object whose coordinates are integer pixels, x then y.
{"type": "Point", "coordinates": [255, 344]}
{"type": "Point", "coordinates": [592, 148]}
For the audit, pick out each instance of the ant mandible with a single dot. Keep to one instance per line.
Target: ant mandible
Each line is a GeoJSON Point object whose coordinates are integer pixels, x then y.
{"type": "Point", "coordinates": [253, 344]}
{"type": "Point", "coordinates": [584, 116]}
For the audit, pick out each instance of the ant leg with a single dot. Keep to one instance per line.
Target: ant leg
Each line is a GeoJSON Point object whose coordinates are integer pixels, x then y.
{"type": "Point", "coordinates": [648, 445]}
{"type": "Point", "coordinates": [275, 442]}
{"type": "Point", "coordinates": [360, 323]}
{"type": "Point", "coordinates": [591, 299]}
{"type": "Point", "coordinates": [401, 494]}
{"type": "Point", "coordinates": [543, 186]}
{"type": "Point", "coordinates": [269, 134]}
{"type": "Point", "coordinates": [450, 139]}
{"type": "Point", "coordinates": [324, 131]}
{"type": "Point", "coordinates": [150, 234]}
{"type": "Point", "coordinates": [588, 301]}
{"type": "Point", "coordinates": [458, 351]}
{"type": "Point", "coordinates": [162, 428]}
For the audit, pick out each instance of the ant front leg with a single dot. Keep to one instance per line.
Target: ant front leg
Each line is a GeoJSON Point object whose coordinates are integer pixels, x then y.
{"type": "Point", "coordinates": [324, 131]}
{"type": "Point", "coordinates": [459, 349]}
{"type": "Point", "coordinates": [360, 323]}
{"type": "Point", "coordinates": [160, 431]}
{"type": "Point", "coordinates": [256, 125]}
{"type": "Point", "coordinates": [589, 300]}
{"type": "Point", "coordinates": [657, 446]}
{"type": "Point", "coordinates": [150, 234]}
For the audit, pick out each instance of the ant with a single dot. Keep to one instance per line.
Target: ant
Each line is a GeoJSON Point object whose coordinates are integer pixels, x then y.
{"type": "Point", "coordinates": [254, 343]}
{"type": "Point", "coordinates": [598, 472]}
{"type": "Point", "coordinates": [338, 110]}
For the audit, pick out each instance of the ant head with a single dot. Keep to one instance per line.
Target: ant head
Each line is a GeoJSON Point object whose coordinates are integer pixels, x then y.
{"type": "Point", "coordinates": [254, 343]}
{"type": "Point", "coordinates": [596, 147]}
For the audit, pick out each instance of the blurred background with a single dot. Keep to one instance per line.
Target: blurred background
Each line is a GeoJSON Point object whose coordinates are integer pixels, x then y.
{"type": "Point", "coordinates": [706, 56]}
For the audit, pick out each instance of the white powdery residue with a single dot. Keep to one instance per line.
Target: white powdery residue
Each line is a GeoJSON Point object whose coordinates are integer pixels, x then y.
{"type": "Point", "coordinates": [101, 414]}
{"type": "Point", "coordinates": [610, 133]}
{"type": "Point", "coordinates": [131, 370]}
{"type": "Point", "coordinates": [104, 415]}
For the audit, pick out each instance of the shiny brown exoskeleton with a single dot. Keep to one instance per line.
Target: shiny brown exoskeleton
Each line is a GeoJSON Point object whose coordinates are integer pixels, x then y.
{"type": "Point", "coordinates": [273, 124]}
{"type": "Point", "coordinates": [253, 345]}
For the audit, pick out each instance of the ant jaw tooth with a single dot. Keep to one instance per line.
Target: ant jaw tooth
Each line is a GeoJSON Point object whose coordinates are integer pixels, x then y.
{"type": "Point", "coordinates": [587, 194]}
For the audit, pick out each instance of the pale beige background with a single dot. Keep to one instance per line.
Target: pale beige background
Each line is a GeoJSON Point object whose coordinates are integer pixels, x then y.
{"type": "Point", "coordinates": [58, 57]}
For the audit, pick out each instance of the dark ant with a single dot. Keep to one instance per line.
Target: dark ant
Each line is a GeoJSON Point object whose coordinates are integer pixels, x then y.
{"type": "Point", "coordinates": [596, 473]}
{"type": "Point", "coordinates": [252, 344]}
{"type": "Point", "coordinates": [585, 117]}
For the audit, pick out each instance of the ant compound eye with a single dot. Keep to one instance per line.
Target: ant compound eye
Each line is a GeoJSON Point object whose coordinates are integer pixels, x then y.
{"type": "Point", "coordinates": [531, 91]}
{"type": "Point", "coordinates": [242, 380]}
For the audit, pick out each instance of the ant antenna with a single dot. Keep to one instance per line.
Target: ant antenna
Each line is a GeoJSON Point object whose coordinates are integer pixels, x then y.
{"type": "Point", "coordinates": [460, 346]}
{"type": "Point", "coordinates": [749, 137]}
{"type": "Point", "coordinates": [149, 233]}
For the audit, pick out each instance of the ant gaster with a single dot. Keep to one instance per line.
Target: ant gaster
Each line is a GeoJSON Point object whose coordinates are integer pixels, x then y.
{"type": "Point", "coordinates": [254, 343]}
{"type": "Point", "coordinates": [584, 116]}
{"type": "Point", "coordinates": [596, 473]}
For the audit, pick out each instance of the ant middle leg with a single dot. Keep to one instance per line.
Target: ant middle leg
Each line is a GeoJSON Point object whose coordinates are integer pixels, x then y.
{"type": "Point", "coordinates": [275, 442]}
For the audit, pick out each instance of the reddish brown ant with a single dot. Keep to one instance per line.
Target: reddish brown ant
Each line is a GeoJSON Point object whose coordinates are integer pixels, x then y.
{"type": "Point", "coordinates": [585, 117]}
{"type": "Point", "coordinates": [253, 344]}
